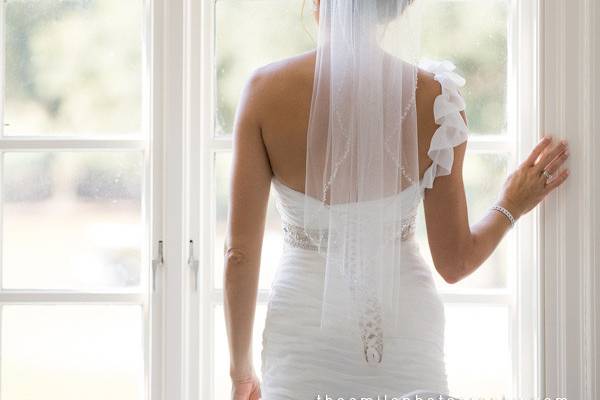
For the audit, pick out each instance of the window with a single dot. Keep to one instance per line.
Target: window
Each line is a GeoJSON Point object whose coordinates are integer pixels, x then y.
{"type": "Point", "coordinates": [74, 195]}
{"type": "Point", "coordinates": [116, 136]}
{"type": "Point", "coordinates": [480, 36]}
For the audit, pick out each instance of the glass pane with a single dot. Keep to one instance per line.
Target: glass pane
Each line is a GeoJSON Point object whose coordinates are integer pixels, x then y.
{"type": "Point", "coordinates": [80, 211]}
{"type": "Point", "coordinates": [478, 353]}
{"type": "Point", "coordinates": [73, 67]}
{"type": "Point", "coordinates": [483, 176]}
{"type": "Point", "coordinates": [221, 379]}
{"type": "Point", "coordinates": [243, 29]}
{"type": "Point", "coordinates": [473, 34]}
{"type": "Point", "coordinates": [72, 353]}
{"type": "Point", "coordinates": [272, 247]}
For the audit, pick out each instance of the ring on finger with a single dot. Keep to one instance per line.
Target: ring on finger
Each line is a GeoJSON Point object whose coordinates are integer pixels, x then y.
{"type": "Point", "coordinates": [547, 174]}
{"type": "Point", "coordinates": [550, 169]}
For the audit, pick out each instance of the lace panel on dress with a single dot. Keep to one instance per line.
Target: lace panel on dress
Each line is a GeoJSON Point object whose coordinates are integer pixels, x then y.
{"type": "Point", "coordinates": [370, 321]}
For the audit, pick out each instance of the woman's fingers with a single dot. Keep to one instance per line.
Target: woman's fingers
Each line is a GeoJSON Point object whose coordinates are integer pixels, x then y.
{"type": "Point", "coordinates": [555, 164]}
{"type": "Point", "coordinates": [556, 181]}
{"type": "Point", "coordinates": [549, 155]}
{"type": "Point", "coordinates": [537, 150]}
{"type": "Point", "coordinates": [527, 186]}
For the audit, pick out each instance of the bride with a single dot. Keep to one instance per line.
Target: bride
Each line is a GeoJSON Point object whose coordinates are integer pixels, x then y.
{"type": "Point", "coordinates": [353, 136]}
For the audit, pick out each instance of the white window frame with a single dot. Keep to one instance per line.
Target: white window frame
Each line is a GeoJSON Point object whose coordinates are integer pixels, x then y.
{"type": "Point", "coordinates": [152, 195]}
{"type": "Point", "coordinates": [526, 341]}
{"type": "Point", "coordinates": [556, 325]}
{"type": "Point", "coordinates": [570, 99]}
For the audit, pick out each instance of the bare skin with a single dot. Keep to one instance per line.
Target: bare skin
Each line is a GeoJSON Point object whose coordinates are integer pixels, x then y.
{"type": "Point", "coordinates": [270, 140]}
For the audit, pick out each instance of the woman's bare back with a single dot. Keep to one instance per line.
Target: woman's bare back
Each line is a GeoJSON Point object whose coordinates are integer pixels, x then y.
{"type": "Point", "coordinates": [285, 89]}
{"type": "Point", "coordinates": [270, 140]}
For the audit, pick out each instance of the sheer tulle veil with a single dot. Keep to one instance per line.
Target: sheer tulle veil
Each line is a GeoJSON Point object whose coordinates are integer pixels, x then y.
{"type": "Point", "coordinates": [362, 173]}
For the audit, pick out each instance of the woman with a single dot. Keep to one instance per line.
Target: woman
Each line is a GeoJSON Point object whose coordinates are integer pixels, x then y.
{"type": "Point", "coordinates": [330, 116]}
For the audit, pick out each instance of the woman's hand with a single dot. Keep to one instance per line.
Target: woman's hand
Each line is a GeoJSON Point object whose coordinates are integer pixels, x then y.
{"type": "Point", "coordinates": [245, 388]}
{"type": "Point", "coordinates": [527, 186]}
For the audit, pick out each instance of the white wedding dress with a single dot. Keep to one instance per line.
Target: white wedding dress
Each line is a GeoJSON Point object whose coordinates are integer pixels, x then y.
{"type": "Point", "coordinates": [299, 362]}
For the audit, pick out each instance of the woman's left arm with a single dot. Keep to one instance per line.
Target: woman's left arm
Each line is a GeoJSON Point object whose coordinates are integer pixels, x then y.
{"type": "Point", "coordinates": [249, 193]}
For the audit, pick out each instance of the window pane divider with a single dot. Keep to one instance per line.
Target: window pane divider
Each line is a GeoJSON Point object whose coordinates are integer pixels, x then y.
{"type": "Point", "coordinates": [220, 144]}
{"type": "Point", "coordinates": [39, 296]}
{"type": "Point", "coordinates": [471, 298]}
{"type": "Point", "coordinates": [71, 144]}
{"type": "Point", "coordinates": [490, 143]}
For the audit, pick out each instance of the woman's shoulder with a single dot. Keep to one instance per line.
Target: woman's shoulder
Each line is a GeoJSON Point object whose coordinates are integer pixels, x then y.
{"type": "Point", "coordinates": [273, 86]}
{"type": "Point", "coordinates": [437, 81]}
{"type": "Point", "coordinates": [283, 72]}
{"type": "Point", "coordinates": [427, 88]}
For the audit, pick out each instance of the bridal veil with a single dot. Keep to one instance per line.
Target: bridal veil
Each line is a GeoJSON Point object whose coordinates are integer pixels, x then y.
{"type": "Point", "coordinates": [362, 168]}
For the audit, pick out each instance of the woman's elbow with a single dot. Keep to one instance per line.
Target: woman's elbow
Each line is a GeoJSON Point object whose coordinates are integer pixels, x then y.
{"type": "Point", "coordinates": [457, 264]}
{"type": "Point", "coordinates": [451, 278]}
{"type": "Point", "coordinates": [453, 272]}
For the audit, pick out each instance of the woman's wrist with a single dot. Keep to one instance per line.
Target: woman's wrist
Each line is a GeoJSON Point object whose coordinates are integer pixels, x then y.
{"type": "Point", "coordinates": [510, 207]}
{"type": "Point", "coordinates": [242, 374]}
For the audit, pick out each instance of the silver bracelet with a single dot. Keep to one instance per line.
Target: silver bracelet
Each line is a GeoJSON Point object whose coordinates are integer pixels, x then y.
{"type": "Point", "coordinates": [506, 213]}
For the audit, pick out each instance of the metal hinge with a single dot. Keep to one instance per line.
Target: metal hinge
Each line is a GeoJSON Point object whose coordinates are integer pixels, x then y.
{"type": "Point", "coordinates": [156, 263]}
{"type": "Point", "coordinates": [193, 264]}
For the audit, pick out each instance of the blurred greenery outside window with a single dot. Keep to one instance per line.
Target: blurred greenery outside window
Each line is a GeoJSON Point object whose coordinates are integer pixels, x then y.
{"type": "Point", "coordinates": [73, 70]}
{"type": "Point", "coordinates": [72, 220]}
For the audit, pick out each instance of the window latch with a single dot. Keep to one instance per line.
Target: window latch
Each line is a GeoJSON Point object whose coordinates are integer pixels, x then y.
{"type": "Point", "coordinates": [156, 263]}
{"type": "Point", "coordinates": [193, 264]}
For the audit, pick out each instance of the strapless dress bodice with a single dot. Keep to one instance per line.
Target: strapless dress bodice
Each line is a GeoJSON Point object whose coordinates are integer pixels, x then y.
{"type": "Point", "coordinates": [290, 205]}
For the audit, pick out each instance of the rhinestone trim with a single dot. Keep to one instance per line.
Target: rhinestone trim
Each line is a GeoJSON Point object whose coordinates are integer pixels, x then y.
{"type": "Point", "coordinates": [296, 236]}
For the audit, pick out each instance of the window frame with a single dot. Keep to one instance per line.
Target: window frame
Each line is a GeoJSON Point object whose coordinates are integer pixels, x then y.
{"type": "Point", "coordinates": [569, 103]}
{"type": "Point", "coordinates": [179, 66]}
{"type": "Point", "coordinates": [148, 143]}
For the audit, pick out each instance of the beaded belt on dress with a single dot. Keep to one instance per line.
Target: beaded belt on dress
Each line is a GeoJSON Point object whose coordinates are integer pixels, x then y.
{"type": "Point", "coordinates": [297, 236]}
